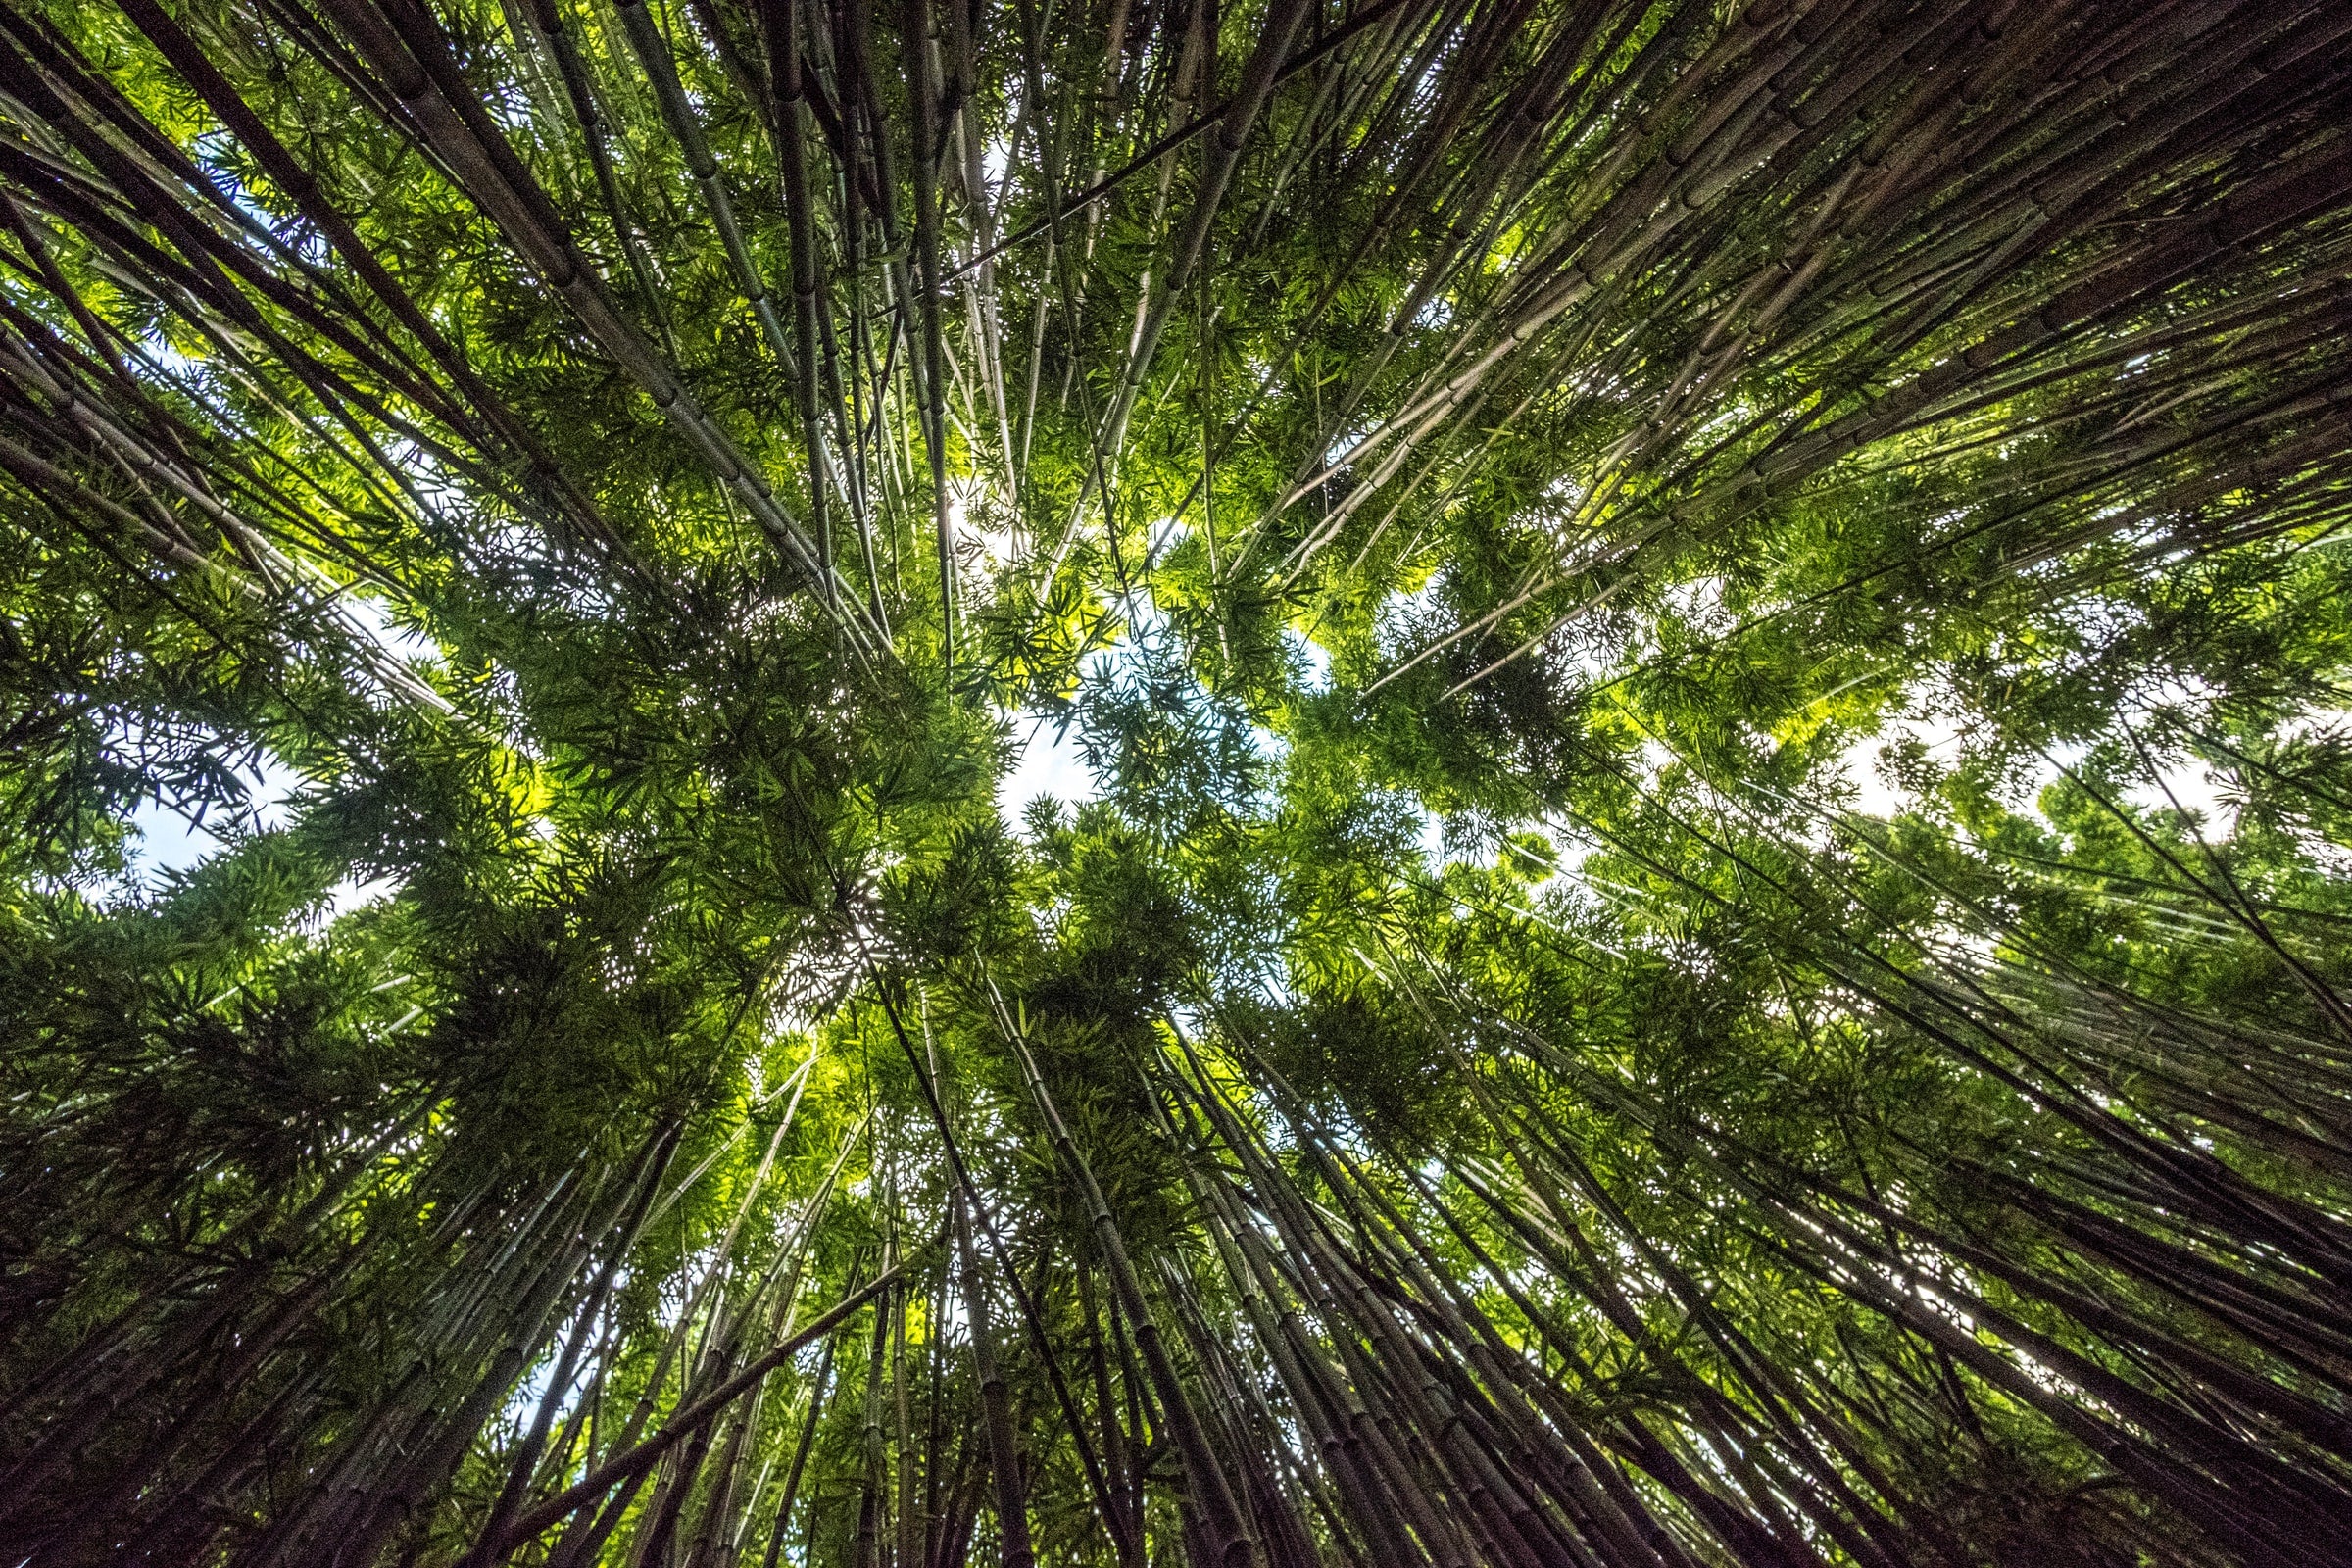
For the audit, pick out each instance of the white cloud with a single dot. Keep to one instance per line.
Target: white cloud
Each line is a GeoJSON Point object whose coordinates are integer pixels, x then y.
{"type": "Point", "coordinates": [1049, 762]}
{"type": "Point", "coordinates": [2190, 787]}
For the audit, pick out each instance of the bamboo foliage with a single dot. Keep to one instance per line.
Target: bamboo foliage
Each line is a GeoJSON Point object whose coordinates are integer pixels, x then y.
{"type": "Point", "coordinates": [1703, 645]}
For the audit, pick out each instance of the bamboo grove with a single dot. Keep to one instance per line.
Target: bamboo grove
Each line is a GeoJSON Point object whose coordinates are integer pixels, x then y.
{"type": "Point", "coordinates": [1705, 921]}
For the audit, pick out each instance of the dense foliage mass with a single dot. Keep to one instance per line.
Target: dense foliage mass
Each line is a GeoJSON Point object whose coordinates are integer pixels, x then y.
{"type": "Point", "coordinates": [1705, 920]}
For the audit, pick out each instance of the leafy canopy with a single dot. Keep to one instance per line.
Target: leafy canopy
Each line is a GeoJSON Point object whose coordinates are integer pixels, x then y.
{"type": "Point", "coordinates": [1692, 912]}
